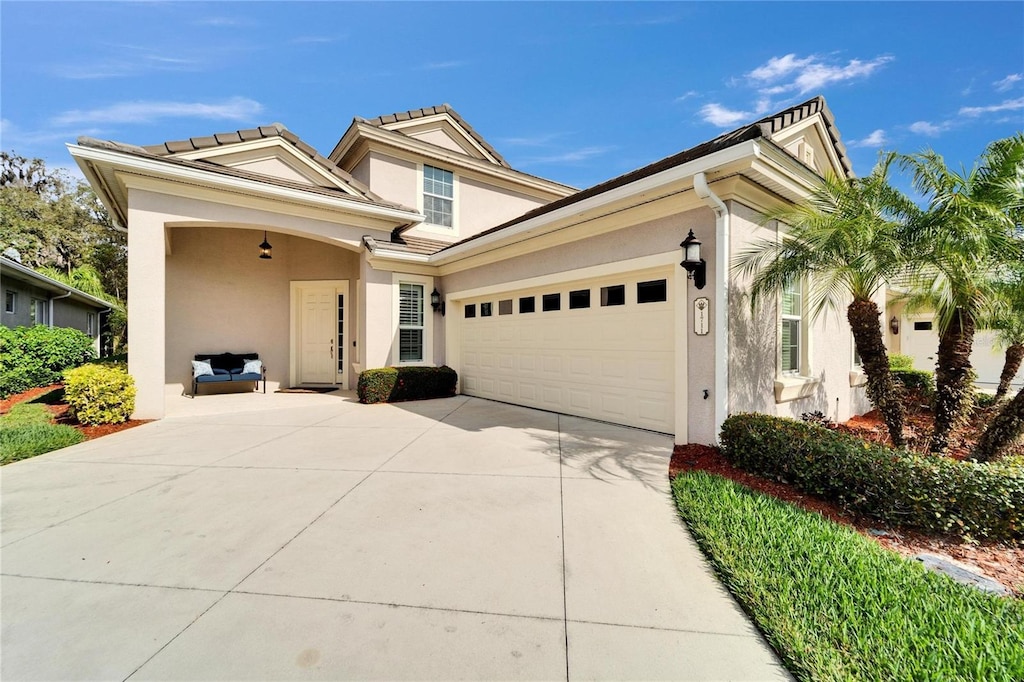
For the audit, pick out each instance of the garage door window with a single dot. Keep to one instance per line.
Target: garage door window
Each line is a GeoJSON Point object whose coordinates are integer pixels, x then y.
{"type": "Point", "coordinates": [651, 292]}
{"type": "Point", "coordinates": [471, 310]}
{"type": "Point", "coordinates": [505, 307]}
{"type": "Point", "coordinates": [527, 304]}
{"type": "Point", "coordinates": [485, 310]}
{"type": "Point", "coordinates": [613, 295]}
{"type": "Point", "coordinates": [410, 322]}
{"type": "Point", "coordinates": [551, 302]}
{"type": "Point", "coordinates": [579, 299]}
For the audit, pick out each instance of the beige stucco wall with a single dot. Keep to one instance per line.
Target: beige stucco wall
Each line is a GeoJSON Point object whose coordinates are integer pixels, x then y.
{"type": "Point", "coordinates": [754, 346]}
{"type": "Point", "coordinates": [222, 298]}
{"type": "Point", "coordinates": [437, 137]}
{"type": "Point", "coordinates": [482, 206]}
{"type": "Point", "coordinates": [393, 179]}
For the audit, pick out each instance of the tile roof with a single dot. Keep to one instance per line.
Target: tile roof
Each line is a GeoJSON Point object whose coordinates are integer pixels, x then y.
{"type": "Point", "coordinates": [173, 147]}
{"type": "Point", "coordinates": [764, 128]}
{"type": "Point", "coordinates": [419, 245]}
{"type": "Point", "coordinates": [144, 152]}
{"type": "Point", "coordinates": [382, 121]}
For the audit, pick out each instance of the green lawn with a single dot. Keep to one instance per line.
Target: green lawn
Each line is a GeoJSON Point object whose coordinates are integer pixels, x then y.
{"type": "Point", "coordinates": [835, 605]}
{"type": "Point", "coordinates": [28, 430]}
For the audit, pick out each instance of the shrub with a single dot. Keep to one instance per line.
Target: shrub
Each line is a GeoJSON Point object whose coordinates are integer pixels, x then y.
{"type": "Point", "coordinates": [900, 361]}
{"type": "Point", "coordinates": [37, 355]}
{"type": "Point", "coordinates": [395, 384]}
{"type": "Point", "coordinates": [27, 431]}
{"type": "Point", "coordinates": [835, 605]}
{"type": "Point", "coordinates": [934, 494]}
{"type": "Point", "coordinates": [918, 380]}
{"type": "Point", "coordinates": [100, 394]}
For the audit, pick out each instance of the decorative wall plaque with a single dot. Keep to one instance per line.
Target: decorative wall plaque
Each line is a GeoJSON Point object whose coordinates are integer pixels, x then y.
{"type": "Point", "coordinates": [701, 316]}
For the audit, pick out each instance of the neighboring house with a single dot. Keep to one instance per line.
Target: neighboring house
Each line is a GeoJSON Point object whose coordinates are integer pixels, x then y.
{"type": "Point", "coordinates": [917, 335]}
{"type": "Point", "coordinates": [565, 300]}
{"type": "Point", "coordinates": [31, 298]}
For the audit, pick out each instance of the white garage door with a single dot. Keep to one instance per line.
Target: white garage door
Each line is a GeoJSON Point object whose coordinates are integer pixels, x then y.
{"type": "Point", "coordinates": [599, 348]}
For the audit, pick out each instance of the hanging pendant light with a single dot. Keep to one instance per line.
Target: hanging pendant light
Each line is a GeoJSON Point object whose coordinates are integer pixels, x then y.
{"type": "Point", "coordinates": [265, 247]}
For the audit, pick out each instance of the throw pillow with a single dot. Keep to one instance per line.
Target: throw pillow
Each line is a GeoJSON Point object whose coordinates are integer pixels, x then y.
{"type": "Point", "coordinates": [252, 367]}
{"type": "Point", "coordinates": [201, 368]}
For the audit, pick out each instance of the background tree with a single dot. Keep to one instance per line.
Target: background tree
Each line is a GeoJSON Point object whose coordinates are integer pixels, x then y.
{"type": "Point", "coordinates": [844, 240]}
{"type": "Point", "coordinates": [960, 239]}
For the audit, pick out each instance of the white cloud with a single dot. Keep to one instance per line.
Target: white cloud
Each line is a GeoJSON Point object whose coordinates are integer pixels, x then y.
{"type": "Point", "coordinates": [927, 128]}
{"type": "Point", "coordinates": [804, 74]}
{"type": "Point", "coordinates": [687, 95]}
{"type": "Point", "coordinates": [14, 137]}
{"type": "Point", "coordinates": [434, 66]}
{"type": "Point", "coordinates": [314, 40]}
{"type": "Point", "coordinates": [234, 109]}
{"type": "Point", "coordinates": [1006, 105]}
{"type": "Point", "coordinates": [876, 139]}
{"type": "Point", "coordinates": [717, 115]}
{"type": "Point", "coordinates": [779, 67]}
{"type": "Point", "coordinates": [572, 156]}
{"type": "Point", "coordinates": [1004, 84]}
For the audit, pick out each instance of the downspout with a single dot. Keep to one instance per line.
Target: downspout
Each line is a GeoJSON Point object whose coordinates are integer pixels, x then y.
{"type": "Point", "coordinates": [50, 301]}
{"type": "Point", "coordinates": [721, 296]}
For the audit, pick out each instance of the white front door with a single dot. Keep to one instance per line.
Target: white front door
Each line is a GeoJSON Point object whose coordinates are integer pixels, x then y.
{"type": "Point", "coordinates": [920, 340]}
{"type": "Point", "coordinates": [321, 332]}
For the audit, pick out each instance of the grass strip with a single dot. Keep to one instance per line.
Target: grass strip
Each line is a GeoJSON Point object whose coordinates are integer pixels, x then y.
{"type": "Point", "coordinates": [835, 605]}
{"type": "Point", "coordinates": [27, 430]}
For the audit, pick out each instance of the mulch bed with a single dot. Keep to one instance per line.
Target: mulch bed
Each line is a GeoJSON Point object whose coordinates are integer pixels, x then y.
{"type": "Point", "coordinates": [999, 562]}
{"type": "Point", "coordinates": [53, 397]}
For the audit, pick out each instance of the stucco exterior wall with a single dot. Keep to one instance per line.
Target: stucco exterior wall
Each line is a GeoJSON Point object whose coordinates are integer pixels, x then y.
{"type": "Point", "coordinates": [393, 179]}
{"type": "Point", "coordinates": [483, 206]}
{"type": "Point", "coordinates": [222, 298]}
{"type": "Point", "coordinates": [64, 312]}
{"type": "Point", "coordinates": [754, 346]}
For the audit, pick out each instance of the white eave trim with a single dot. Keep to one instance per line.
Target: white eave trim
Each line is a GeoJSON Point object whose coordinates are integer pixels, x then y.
{"type": "Point", "coordinates": [643, 185]}
{"type": "Point", "coordinates": [162, 169]}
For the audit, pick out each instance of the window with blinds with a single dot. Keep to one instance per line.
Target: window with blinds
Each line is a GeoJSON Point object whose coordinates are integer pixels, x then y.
{"type": "Point", "coordinates": [438, 195]}
{"type": "Point", "coordinates": [792, 328]}
{"type": "Point", "coordinates": [410, 322]}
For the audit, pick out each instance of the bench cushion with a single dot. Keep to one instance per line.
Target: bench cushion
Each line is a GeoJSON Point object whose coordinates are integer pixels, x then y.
{"type": "Point", "coordinates": [227, 361]}
{"type": "Point", "coordinates": [246, 377]}
{"type": "Point", "coordinates": [208, 378]}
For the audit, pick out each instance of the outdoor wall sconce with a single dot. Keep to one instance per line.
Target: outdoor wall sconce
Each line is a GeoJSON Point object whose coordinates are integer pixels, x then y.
{"type": "Point", "coordinates": [894, 325]}
{"type": "Point", "coordinates": [265, 247]}
{"type": "Point", "coordinates": [694, 265]}
{"type": "Point", "coordinates": [435, 301]}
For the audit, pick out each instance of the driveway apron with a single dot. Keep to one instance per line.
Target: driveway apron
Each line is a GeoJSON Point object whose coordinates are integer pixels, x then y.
{"type": "Point", "coordinates": [444, 539]}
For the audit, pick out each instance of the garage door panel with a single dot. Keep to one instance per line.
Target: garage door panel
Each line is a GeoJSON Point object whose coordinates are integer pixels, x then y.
{"type": "Point", "coordinates": [614, 363]}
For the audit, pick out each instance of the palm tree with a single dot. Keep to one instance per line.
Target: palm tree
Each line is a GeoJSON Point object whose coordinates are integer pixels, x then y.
{"type": "Point", "coordinates": [1004, 429]}
{"type": "Point", "coordinates": [961, 238]}
{"type": "Point", "coordinates": [844, 240]}
{"type": "Point", "coordinates": [1008, 322]}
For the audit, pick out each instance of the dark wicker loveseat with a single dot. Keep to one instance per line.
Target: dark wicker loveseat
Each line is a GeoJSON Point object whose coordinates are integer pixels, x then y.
{"type": "Point", "coordinates": [228, 367]}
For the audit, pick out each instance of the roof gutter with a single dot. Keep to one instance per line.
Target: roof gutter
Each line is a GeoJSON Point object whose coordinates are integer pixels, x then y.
{"type": "Point", "coordinates": [721, 306]}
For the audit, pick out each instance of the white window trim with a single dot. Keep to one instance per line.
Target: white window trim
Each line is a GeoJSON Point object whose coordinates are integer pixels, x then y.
{"type": "Point", "coordinates": [430, 227]}
{"type": "Point", "coordinates": [14, 301]}
{"type": "Point", "coordinates": [792, 385]}
{"type": "Point", "coordinates": [39, 311]}
{"type": "Point", "coordinates": [428, 320]}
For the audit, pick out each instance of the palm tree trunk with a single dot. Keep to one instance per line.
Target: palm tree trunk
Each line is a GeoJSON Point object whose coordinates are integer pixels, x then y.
{"type": "Point", "coordinates": [1014, 357]}
{"type": "Point", "coordinates": [952, 378]}
{"type": "Point", "coordinates": [1007, 427]}
{"type": "Point", "coordinates": [883, 391]}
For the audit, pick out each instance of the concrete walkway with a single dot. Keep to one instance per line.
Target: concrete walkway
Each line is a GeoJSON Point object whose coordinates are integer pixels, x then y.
{"type": "Point", "coordinates": [310, 537]}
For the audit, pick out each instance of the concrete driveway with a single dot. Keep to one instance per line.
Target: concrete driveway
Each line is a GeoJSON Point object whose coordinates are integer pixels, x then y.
{"type": "Point", "coordinates": [313, 537]}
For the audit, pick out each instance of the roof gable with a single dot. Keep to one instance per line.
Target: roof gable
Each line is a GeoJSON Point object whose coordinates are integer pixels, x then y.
{"type": "Point", "coordinates": [272, 151]}
{"type": "Point", "coordinates": [441, 126]}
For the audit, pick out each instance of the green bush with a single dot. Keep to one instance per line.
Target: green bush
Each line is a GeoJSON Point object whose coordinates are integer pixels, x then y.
{"type": "Point", "coordinates": [837, 606]}
{"type": "Point", "coordinates": [395, 384]}
{"type": "Point", "coordinates": [900, 361]}
{"type": "Point", "coordinates": [934, 494]}
{"type": "Point", "coordinates": [37, 355]}
{"type": "Point", "coordinates": [27, 431]}
{"type": "Point", "coordinates": [916, 380]}
{"type": "Point", "coordinates": [100, 394]}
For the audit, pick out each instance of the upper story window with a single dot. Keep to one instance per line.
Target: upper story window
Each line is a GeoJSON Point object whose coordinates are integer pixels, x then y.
{"type": "Point", "coordinates": [438, 195]}
{"type": "Point", "coordinates": [792, 328]}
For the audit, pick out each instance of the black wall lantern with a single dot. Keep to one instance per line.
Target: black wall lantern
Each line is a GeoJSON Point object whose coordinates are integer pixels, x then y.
{"type": "Point", "coordinates": [435, 301]}
{"type": "Point", "coordinates": [694, 265]}
{"type": "Point", "coordinates": [265, 247]}
{"type": "Point", "coordinates": [894, 325]}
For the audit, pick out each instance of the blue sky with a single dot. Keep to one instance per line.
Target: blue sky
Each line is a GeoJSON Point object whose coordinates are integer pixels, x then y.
{"type": "Point", "coordinates": [577, 92]}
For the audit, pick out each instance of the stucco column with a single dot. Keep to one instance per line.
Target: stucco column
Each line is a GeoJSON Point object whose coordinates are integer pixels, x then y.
{"type": "Point", "coordinates": [146, 302]}
{"type": "Point", "coordinates": [376, 335]}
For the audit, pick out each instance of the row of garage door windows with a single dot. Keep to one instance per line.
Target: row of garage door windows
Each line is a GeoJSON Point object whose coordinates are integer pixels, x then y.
{"type": "Point", "coordinates": [654, 291]}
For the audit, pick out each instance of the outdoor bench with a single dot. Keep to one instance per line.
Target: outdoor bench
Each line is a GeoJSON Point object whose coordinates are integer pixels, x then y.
{"type": "Point", "coordinates": [228, 367]}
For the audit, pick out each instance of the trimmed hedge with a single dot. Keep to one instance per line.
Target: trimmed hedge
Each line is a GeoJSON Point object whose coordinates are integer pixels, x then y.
{"type": "Point", "coordinates": [919, 380]}
{"type": "Point", "coordinates": [934, 494]}
{"type": "Point", "coordinates": [900, 361]}
{"type": "Point", "coordinates": [100, 394]}
{"type": "Point", "coordinates": [37, 355]}
{"type": "Point", "coordinates": [395, 384]}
